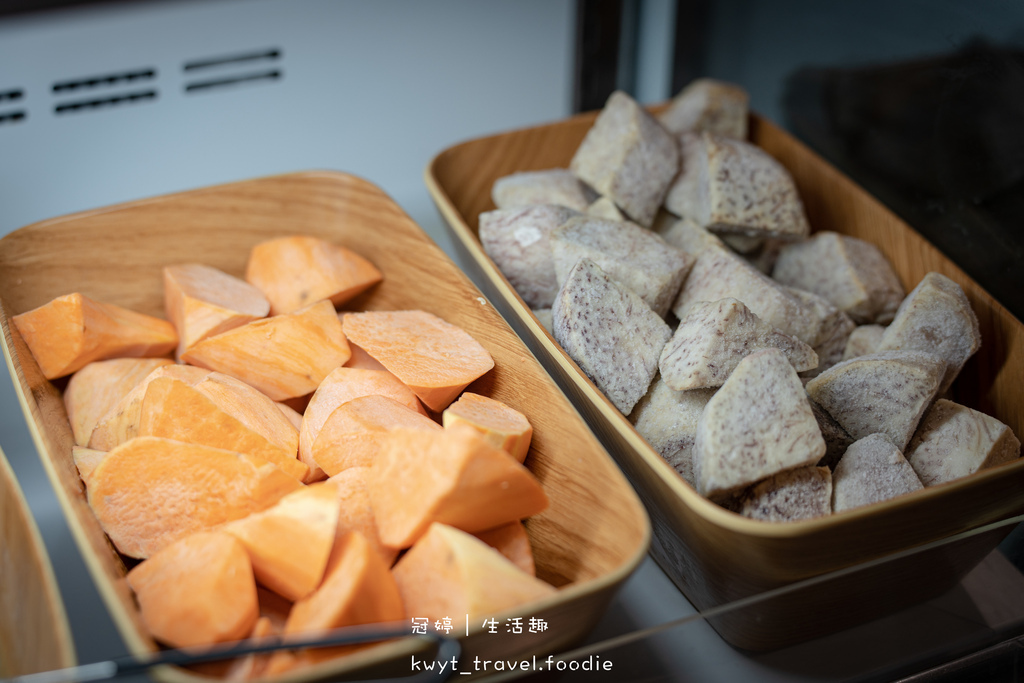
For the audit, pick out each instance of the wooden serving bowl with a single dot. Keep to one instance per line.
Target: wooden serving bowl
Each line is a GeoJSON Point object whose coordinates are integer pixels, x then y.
{"type": "Point", "coordinates": [593, 535]}
{"type": "Point", "coordinates": [715, 556]}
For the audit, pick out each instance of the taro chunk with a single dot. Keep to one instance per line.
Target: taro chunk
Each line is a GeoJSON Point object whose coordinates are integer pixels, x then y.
{"type": "Point", "coordinates": [518, 240]}
{"type": "Point", "coordinates": [863, 340]}
{"type": "Point", "coordinates": [667, 420]}
{"type": "Point", "coordinates": [836, 438]}
{"type": "Point", "coordinates": [628, 157]}
{"type": "Point", "coordinates": [936, 318]}
{"type": "Point", "coordinates": [955, 441]}
{"type": "Point", "coordinates": [720, 274]}
{"type": "Point", "coordinates": [635, 258]}
{"type": "Point", "coordinates": [834, 328]}
{"type": "Point", "coordinates": [610, 332]}
{"type": "Point", "coordinates": [883, 393]}
{"type": "Point", "coordinates": [731, 186]}
{"type": "Point", "coordinates": [757, 425]}
{"type": "Point", "coordinates": [714, 337]}
{"type": "Point", "coordinates": [707, 104]}
{"type": "Point", "coordinates": [605, 208]}
{"type": "Point", "coordinates": [803, 493]}
{"type": "Point", "coordinates": [850, 273]}
{"type": "Point", "coordinates": [871, 470]}
{"type": "Point", "coordinates": [553, 186]}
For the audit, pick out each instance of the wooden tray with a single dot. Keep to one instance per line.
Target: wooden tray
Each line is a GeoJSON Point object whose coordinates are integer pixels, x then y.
{"type": "Point", "coordinates": [715, 556]}
{"type": "Point", "coordinates": [34, 631]}
{"type": "Point", "coordinates": [591, 538]}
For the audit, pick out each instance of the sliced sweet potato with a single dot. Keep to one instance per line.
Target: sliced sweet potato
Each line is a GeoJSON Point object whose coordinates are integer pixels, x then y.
{"type": "Point", "coordinates": [202, 301]}
{"type": "Point", "coordinates": [358, 590]}
{"type": "Point", "coordinates": [436, 359]}
{"type": "Point", "coordinates": [450, 476]}
{"type": "Point", "coordinates": [352, 435]}
{"type": "Point", "coordinates": [173, 410]}
{"type": "Point", "coordinates": [339, 387]}
{"type": "Point", "coordinates": [197, 591]}
{"type": "Point", "coordinates": [356, 514]}
{"type": "Point", "coordinates": [284, 357]}
{"type": "Point", "coordinates": [449, 572]}
{"type": "Point", "coordinates": [500, 425]}
{"type": "Point", "coordinates": [99, 386]}
{"type": "Point", "coordinates": [72, 331]}
{"type": "Point", "coordinates": [290, 542]}
{"type": "Point", "coordinates": [86, 460]}
{"type": "Point", "coordinates": [511, 541]}
{"type": "Point", "coordinates": [121, 422]}
{"type": "Point", "coordinates": [293, 416]}
{"type": "Point", "coordinates": [149, 492]}
{"type": "Point", "coordinates": [252, 408]}
{"type": "Point", "coordinates": [296, 271]}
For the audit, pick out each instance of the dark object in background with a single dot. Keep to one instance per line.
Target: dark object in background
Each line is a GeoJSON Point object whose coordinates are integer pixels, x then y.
{"type": "Point", "coordinates": [941, 142]}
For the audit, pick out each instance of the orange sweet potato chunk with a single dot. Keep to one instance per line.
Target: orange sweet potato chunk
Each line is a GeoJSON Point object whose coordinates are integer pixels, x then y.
{"type": "Point", "coordinates": [72, 331]}
{"type": "Point", "coordinates": [202, 301]}
{"type": "Point", "coordinates": [289, 543]}
{"type": "Point", "coordinates": [172, 409]}
{"type": "Point", "coordinates": [198, 590]}
{"type": "Point", "coordinates": [296, 271]}
{"type": "Point", "coordinates": [252, 408]}
{"type": "Point", "coordinates": [358, 590]}
{"type": "Point", "coordinates": [512, 541]}
{"type": "Point", "coordinates": [352, 435]}
{"type": "Point", "coordinates": [121, 422]}
{"type": "Point", "coordinates": [149, 492]}
{"type": "Point", "coordinates": [356, 514]}
{"type": "Point", "coordinates": [284, 356]}
{"type": "Point", "coordinates": [450, 476]}
{"type": "Point", "coordinates": [95, 389]}
{"type": "Point", "coordinates": [339, 387]}
{"type": "Point", "coordinates": [86, 460]}
{"type": "Point", "coordinates": [499, 424]}
{"type": "Point", "coordinates": [450, 572]}
{"type": "Point", "coordinates": [436, 359]}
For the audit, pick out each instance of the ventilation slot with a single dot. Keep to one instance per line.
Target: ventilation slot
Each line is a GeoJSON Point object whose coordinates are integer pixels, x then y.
{"type": "Point", "coordinates": [11, 117]}
{"type": "Point", "coordinates": [244, 58]}
{"type": "Point", "coordinates": [105, 80]}
{"type": "Point", "coordinates": [233, 70]}
{"type": "Point", "coordinates": [11, 95]}
{"type": "Point", "coordinates": [103, 102]}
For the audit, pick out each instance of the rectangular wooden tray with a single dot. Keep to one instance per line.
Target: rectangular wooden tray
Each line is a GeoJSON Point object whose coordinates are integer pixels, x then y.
{"type": "Point", "coordinates": [593, 535]}
{"type": "Point", "coordinates": [715, 556]}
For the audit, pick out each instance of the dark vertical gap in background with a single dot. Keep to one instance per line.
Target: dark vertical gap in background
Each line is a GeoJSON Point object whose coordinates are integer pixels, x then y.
{"type": "Point", "coordinates": [629, 39]}
{"type": "Point", "coordinates": [598, 24]}
{"type": "Point", "coordinates": [688, 53]}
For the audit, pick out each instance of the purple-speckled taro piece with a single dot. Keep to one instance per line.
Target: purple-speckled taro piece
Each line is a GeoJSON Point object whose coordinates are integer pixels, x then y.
{"type": "Point", "coordinates": [863, 340]}
{"type": "Point", "coordinates": [802, 493]}
{"type": "Point", "coordinates": [610, 332]}
{"type": "Point", "coordinates": [871, 470]}
{"type": "Point", "coordinates": [706, 104]}
{"type": "Point", "coordinates": [552, 186]}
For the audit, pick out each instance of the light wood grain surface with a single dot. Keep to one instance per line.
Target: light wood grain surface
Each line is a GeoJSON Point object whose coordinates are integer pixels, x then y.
{"type": "Point", "coordinates": [590, 539]}
{"type": "Point", "coordinates": [715, 556]}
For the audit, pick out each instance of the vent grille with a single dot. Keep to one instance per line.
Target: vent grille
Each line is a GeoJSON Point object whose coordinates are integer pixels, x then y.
{"type": "Point", "coordinates": [103, 102]}
{"type": "Point", "coordinates": [105, 80]}
{"type": "Point", "coordinates": [11, 95]}
{"type": "Point", "coordinates": [233, 70]}
{"type": "Point", "coordinates": [12, 117]}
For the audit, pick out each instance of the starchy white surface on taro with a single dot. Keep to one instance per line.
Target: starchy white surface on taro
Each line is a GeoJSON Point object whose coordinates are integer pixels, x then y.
{"type": "Point", "coordinates": [605, 208]}
{"type": "Point", "coordinates": [667, 420]}
{"type": "Point", "coordinates": [871, 470]}
{"type": "Point", "coordinates": [836, 438]}
{"type": "Point", "coordinates": [852, 274]}
{"type": "Point", "coordinates": [884, 392]}
{"type": "Point", "coordinates": [634, 257]}
{"type": "Point", "coordinates": [730, 186]}
{"type": "Point", "coordinates": [802, 493]}
{"type": "Point", "coordinates": [628, 157]}
{"type": "Point", "coordinates": [518, 240]}
{"type": "Point", "coordinates": [720, 274]}
{"type": "Point", "coordinates": [690, 237]}
{"type": "Point", "coordinates": [954, 441]}
{"type": "Point", "coordinates": [834, 328]}
{"type": "Point", "coordinates": [552, 186]}
{"type": "Point", "coordinates": [937, 318]}
{"type": "Point", "coordinates": [758, 424]}
{"type": "Point", "coordinates": [610, 332]}
{"type": "Point", "coordinates": [707, 104]}
{"type": "Point", "coordinates": [714, 337]}
{"type": "Point", "coordinates": [863, 340]}
{"type": "Point", "coordinates": [543, 317]}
